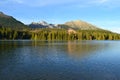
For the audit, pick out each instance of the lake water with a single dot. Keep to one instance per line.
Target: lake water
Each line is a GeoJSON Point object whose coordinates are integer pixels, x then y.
{"type": "Point", "coordinates": [59, 60]}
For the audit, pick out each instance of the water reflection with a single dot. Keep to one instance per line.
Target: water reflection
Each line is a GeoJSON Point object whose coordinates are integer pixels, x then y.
{"type": "Point", "coordinates": [55, 49]}
{"type": "Point", "coordinates": [84, 48]}
{"type": "Point", "coordinates": [59, 60]}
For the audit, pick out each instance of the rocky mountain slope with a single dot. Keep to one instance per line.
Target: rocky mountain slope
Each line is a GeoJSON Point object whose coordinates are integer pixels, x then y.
{"type": "Point", "coordinates": [78, 24]}
{"type": "Point", "coordinates": [42, 24]}
{"type": "Point", "coordinates": [81, 25]}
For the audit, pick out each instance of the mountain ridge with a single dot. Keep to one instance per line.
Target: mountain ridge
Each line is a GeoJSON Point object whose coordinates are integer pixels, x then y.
{"type": "Point", "coordinates": [11, 22]}
{"type": "Point", "coordinates": [82, 25]}
{"type": "Point", "coordinates": [4, 15]}
{"type": "Point", "coordinates": [75, 24]}
{"type": "Point", "coordinates": [41, 24]}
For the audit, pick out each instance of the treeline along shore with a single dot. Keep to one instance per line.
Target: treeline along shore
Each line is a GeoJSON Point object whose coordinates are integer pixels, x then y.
{"type": "Point", "coordinates": [56, 34]}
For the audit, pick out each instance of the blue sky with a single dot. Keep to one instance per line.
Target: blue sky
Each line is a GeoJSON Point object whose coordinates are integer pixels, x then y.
{"type": "Point", "coordinates": [102, 13]}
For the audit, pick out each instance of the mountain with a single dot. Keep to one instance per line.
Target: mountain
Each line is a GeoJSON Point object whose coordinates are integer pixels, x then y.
{"type": "Point", "coordinates": [41, 24]}
{"type": "Point", "coordinates": [78, 24]}
{"type": "Point", "coordinates": [11, 22]}
{"type": "Point", "coordinates": [72, 30]}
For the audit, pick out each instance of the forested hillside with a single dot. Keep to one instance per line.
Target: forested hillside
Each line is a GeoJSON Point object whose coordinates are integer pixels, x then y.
{"type": "Point", "coordinates": [57, 34]}
{"type": "Point", "coordinates": [10, 22]}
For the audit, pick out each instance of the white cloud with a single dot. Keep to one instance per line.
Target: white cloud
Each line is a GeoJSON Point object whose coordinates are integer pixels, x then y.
{"type": "Point", "coordinates": [100, 1]}
{"type": "Point", "coordinates": [83, 3]}
{"type": "Point", "coordinates": [104, 1]}
{"type": "Point", "coordinates": [41, 2]}
{"type": "Point", "coordinates": [3, 2]}
{"type": "Point", "coordinates": [18, 1]}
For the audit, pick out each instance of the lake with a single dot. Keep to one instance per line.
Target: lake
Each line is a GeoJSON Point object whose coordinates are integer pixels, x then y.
{"type": "Point", "coordinates": [59, 60]}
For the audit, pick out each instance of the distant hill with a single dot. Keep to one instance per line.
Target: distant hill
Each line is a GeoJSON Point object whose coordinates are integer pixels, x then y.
{"type": "Point", "coordinates": [81, 25]}
{"type": "Point", "coordinates": [10, 22]}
